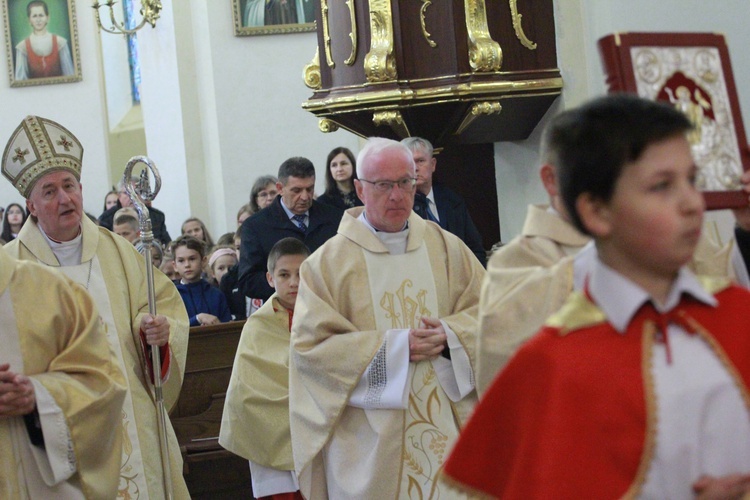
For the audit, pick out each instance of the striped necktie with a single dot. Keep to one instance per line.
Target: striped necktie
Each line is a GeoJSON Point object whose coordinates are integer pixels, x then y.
{"type": "Point", "coordinates": [430, 213]}
{"type": "Point", "coordinates": [299, 219]}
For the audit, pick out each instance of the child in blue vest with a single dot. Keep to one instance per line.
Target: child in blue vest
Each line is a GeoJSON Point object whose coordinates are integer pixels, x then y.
{"type": "Point", "coordinates": [205, 304]}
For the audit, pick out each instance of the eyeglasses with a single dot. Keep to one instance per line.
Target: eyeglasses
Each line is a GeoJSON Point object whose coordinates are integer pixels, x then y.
{"type": "Point", "coordinates": [406, 184]}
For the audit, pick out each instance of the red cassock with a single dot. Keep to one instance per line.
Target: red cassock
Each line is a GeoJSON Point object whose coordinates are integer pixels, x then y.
{"type": "Point", "coordinates": [573, 413]}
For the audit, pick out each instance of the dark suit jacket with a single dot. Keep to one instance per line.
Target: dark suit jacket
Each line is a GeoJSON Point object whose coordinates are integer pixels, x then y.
{"type": "Point", "coordinates": [262, 230]}
{"type": "Point", "coordinates": [454, 218]}
{"type": "Point", "coordinates": [158, 222]}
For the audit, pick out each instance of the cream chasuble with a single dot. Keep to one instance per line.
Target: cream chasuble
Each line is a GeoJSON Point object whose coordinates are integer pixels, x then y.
{"type": "Point", "coordinates": [353, 293]}
{"type": "Point", "coordinates": [428, 426]}
{"type": "Point", "coordinates": [119, 290]}
{"type": "Point", "coordinates": [132, 478]}
{"type": "Point", "coordinates": [79, 389]}
{"type": "Point", "coordinates": [525, 284]}
{"type": "Point", "coordinates": [255, 421]}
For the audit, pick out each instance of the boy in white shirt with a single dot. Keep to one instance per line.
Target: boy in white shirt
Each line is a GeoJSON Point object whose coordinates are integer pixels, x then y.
{"type": "Point", "coordinates": [637, 386]}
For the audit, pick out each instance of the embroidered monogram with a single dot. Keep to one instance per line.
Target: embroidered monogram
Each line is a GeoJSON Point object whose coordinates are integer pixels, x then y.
{"type": "Point", "coordinates": [410, 310]}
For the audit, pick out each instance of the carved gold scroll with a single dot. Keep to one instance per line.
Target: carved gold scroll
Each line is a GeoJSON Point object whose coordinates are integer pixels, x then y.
{"type": "Point", "coordinates": [485, 54]}
{"type": "Point", "coordinates": [353, 33]}
{"type": "Point", "coordinates": [517, 18]}
{"type": "Point", "coordinates": [380, 64]}
{"type": "Point", "coordinates": [394, 120]}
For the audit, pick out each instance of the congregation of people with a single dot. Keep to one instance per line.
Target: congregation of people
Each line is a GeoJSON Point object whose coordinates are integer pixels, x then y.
{"type": "Point", "coordinates": [602, 353]}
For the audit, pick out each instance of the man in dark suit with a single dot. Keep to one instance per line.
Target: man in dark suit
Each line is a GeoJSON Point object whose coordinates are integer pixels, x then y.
{"type": "Point", "coordinates": [293, 213]}
{"type": "Point", "coordinates": [438, 203]}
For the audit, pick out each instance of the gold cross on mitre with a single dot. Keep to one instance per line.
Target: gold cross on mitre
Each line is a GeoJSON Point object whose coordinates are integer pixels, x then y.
{"type": "Point", "coordinates": [20, 155]}
{"type": "Point", "coordinates": [65, 143]}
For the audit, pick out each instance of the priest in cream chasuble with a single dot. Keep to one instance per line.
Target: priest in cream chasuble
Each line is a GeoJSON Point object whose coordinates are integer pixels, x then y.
{"type": "Point", "coordinates": [43, 161]}
{"type": "Point", "coordinates": [78, 389]}
{"type": "Point", "coordinates": [381, 368]}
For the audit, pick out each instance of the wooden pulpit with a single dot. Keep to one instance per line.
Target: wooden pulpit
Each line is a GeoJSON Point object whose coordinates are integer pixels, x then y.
{"type": "Point", "coordinates": [453, 71]}
{"type": "Point", "coordinates": [463, 74]}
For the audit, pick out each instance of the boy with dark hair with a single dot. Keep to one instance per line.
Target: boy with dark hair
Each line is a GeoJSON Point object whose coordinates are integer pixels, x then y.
{"type": "Point", "coordinates": [205, 304]}
{"type": "Point", "coordinates": [637, 386]}
{"type": "Point", "coordinates": [255, 424]}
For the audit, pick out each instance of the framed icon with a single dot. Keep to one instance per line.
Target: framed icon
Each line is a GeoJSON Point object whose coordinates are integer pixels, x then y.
{"type": "Point", "coordinates": [692, 72]}
{"type": "Point", "coordinates": [268, 17]}
{"type": "Point", "coordinates": [42, 40]}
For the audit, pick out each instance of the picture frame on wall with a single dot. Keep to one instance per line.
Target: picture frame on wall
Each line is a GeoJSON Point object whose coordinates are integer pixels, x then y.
{"type": "Point", "coordinates": [693, 73]}
{"type": "Point", "coordinates": [270, 17]}
{"type": "Point", "coordinates": [42, 41]}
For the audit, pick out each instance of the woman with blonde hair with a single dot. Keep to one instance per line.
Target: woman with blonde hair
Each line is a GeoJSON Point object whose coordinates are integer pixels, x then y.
{"type": "Point", "coordinates": [197, 229]}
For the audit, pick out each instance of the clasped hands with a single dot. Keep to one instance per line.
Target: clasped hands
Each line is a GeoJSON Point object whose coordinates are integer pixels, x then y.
{"type": "Point", "coordinates": [16, 393]}
{"type": "Point", "coordinates": [428, 342]}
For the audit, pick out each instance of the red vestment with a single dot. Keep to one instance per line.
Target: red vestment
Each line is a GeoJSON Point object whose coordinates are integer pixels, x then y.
{"type": "Point", "coordinates": [573, 413]}
{"type": "Point", "coordinates": [44, 66]}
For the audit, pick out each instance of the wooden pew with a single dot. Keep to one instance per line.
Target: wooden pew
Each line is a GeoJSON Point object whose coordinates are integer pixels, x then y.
{"type": "Point", "coordinates": [211, 472]}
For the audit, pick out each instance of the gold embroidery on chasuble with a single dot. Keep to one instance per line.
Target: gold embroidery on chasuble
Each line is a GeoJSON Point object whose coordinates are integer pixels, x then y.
{"type": "Point", "coordinates": [401, 299]}
{"type": "Point", "coordinates": [132, 477]}
{"type": "Point", "coordinates": [11, 427]}
{"type": "Point", "coordinates": [577, 312]}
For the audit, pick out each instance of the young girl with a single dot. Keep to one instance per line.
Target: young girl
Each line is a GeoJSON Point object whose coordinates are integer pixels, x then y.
{"type": "Point", "coordinates": [205, 304]}
{"type": "Point", "coordinates": [221, 260]}
{"type": "Point", "coordinates": [110, 200]}
{"type": "Point", "coordinates": [197, 229]}
{"type": "Point", "coordinates": [15, 216]}
{"type": "Point", "coordinates": [341, 171]}
{"type": "Point", "coordinates": [243, 213]}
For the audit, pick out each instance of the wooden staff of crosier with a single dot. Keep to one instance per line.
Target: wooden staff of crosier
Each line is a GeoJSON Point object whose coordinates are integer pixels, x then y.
{"type": "Point", "coordinates": [140, 192]}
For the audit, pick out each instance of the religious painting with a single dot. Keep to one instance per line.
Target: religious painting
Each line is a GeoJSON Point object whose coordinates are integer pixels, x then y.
{"type": "Point", "coordinates": [42, 41]}
{"type": "Point", "coordinates": [267, 17]}
{"type": "Point", "coordinates": [692, 72]}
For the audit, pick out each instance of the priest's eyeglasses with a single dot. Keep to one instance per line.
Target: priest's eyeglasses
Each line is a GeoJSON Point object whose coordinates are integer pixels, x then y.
{"type": "Point", "coordinates": [406, 184]}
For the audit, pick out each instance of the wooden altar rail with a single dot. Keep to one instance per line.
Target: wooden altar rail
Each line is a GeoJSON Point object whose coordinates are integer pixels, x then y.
{"type": "Point", "coordinates": [211, 472]}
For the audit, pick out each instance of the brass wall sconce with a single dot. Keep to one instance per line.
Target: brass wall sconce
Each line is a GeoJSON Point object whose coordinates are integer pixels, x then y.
{"type": "Point", "coordinates": [149, 14]}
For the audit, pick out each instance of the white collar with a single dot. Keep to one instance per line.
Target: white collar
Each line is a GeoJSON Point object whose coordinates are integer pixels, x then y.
{"type": "Point", "coordinates": [431, 196]}
{"type": "Point", "coordinates": [394, 242]}
{"type": "Point", "coordinates": [620, 298]}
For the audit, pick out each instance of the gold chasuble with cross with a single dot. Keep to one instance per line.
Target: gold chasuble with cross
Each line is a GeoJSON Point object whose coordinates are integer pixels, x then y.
{"type": "Point", "coordinates": [113, 271]}
{"type": "Point", "coordinates": [356, 304]}
{"type": "Point", "coordinates": [50, 331]}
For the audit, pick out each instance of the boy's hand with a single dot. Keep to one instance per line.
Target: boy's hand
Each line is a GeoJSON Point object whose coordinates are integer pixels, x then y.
{"type": "Point", "coordinates": [206, 319]}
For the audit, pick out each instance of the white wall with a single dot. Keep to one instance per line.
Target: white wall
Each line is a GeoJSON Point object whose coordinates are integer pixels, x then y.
{"type": "Point", "coordinates": [77, 106]}
{"type": "Point", "coordinates": [579, 24]}
{"type": "Point", "coordinates": [220, 110]}
{"type": "Point", "coordinates": [238, 116]}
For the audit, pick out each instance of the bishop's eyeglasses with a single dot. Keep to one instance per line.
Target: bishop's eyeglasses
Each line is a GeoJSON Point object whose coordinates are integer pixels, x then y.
{"type": "Point", "coordinates": [405, 184]}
